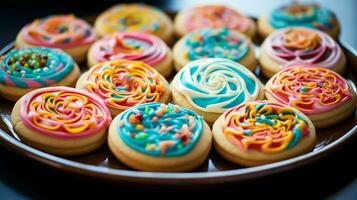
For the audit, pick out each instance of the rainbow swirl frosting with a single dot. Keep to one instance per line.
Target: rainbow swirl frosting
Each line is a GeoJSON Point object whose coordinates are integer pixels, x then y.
{"type": "Point", "coordinates": [302, 45]}
{"type": "Point", "coordinates": [133, 18]}
{"type": "Point", "coordinates": [311, 90]}
{"type": "Point", "coordinates": [216, 43]}
{"type": "Point", "coordinates": [34, 67]}
{"type": "Point", "coordinates": [268, 127]}
{"type": "Point", "coordinates": [64, 112]}
{"type": "Point", "coordinates": [307, 15]}
{"type": "Point", "coordinates": [158, 129]}
{"type": "Point", "coordinates": [215, 16]}
{"type": "Point", "coordinates": [216, 84]}
{"type": "Point", "coordinates": [58, 31]}
{"type": "Point", "coordinates": [130, 46]}
{"type": "Point", "coordinates": [123, 84]}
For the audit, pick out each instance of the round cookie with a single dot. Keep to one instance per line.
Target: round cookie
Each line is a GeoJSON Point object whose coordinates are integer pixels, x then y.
{"type": "Point", "coordinates": [135, 18]}
{"type": "Point", "coordinates": [160, 137]}
{"type": "Point", "coordinates": [212, 16]}
{"type": "Point", "coordinates": [321, 94]}
{"type": "Point", "coordinates": [122, 84]}
{"type": "Point", "coordinates": [262, 132]}
{"type": "Point", "coordinates": [136, 46]}
{"type": "Point", "coordinates": [288, 46]}
{"type": "Point", "coordinates": [213, 85]}
{"type": "Point", "coordinates": [66, 32]}
{"type": "Point", "coordinates": [309, 15]}
{"type": "Point", "coordinates": [23, 70]}
{"type": "Point", "coordinates": [61, 120]}
{"type": "Point", "coordinates": [214, 43]}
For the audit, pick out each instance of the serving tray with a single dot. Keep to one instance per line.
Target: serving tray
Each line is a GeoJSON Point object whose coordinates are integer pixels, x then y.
{"type": "Point", "coordinates": [102, 164]}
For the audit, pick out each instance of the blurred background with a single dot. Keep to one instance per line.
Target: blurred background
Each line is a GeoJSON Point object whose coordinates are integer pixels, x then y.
{"type": "Point", "coordinates": [16, 13]}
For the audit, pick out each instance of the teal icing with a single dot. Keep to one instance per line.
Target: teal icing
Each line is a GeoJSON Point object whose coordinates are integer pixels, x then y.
{"type": "Point", "coordinates": [177, 118]}
{"type": "Point", "coordinates": [223, 97]}
{"type": "Point", "coordinates": [308, 15]}
{"type": "Point", "coordinates": [34, 67]}
{"type": "Point", "coordinates": [216, 43]}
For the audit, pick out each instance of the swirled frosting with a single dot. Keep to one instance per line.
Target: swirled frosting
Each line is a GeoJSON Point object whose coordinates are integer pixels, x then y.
{"type": "Point", "coordinates": [311, 90]}
{"type": "Point", "coordinates": [123, 84]}
{"type": "Point", "coordinates": [268, 127]}
{"type": "Point", "coordinates": [133, 18]}
{"type": "Point", "coordinates": [216, 85]}
{"type": "Point", "coordinates": [215, 16]}
{"type": "Point", "coordinates": [307, 15]}
{"type": "Point", "coordinates": [130, 46]}
{"type": "Point", "coordinates": [302, 45]}
{"type": "Point", "coordinates": [215, 43]}
{"type": "Point", "coordinates": [58, 31]}
{"type": "Point", "coordinates": [34, 67]}
{"type": "Point", "coordinates": [158, 129]}
{"type": "Point", "coordinates": [64, 112]}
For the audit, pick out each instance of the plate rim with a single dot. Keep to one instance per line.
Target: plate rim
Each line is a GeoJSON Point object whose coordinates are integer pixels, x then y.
{"type": "Point", "coordinates": [133, 176]}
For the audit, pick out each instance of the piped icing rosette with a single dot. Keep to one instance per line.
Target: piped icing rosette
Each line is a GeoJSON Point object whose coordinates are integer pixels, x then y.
{"type": "Point", "coordinates": [58, 31]}
{"type": "Point", "coordinates": [134, 18]}
{"type": "Point", "coordinates": [64, 112]}
{"type": "Point", "coordinates": [216, 85]}
{"type": "Point", "coordinates": [308, 15]}
{"type": "Point", "coordinates": [214, 16]}
{"type": "Point", "coordinates": [302, 45]}
{"type": "Point", "coordinates": [215, 43]}
{"type": "Point", "coordinates": [130, 46]}
{"type": "Point", "coordinates": [157, 129]}
{"type": "Point", "coordinates": [35, 67]}
{"type": "Point", "coordinates": [123, 84]}
{"type": "Point", "coordinates": [309, 89]}
{"type": "Point", "coordinates": [268, 127]}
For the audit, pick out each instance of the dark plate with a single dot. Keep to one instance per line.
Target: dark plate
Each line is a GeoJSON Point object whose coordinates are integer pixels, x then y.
{"type": "Point", "coordinates": [102, 164]}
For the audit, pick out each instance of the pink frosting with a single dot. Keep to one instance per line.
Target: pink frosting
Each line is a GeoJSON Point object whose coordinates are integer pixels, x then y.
{"type": "Point", "coordinates": [62, 112]}
{"type": "Point", "coordinates": [59, 31]}
{"type": "Point", "coordinates": [215, 16]}
{"type": "Point", "coordinates": [149, 48]}
{"type": "Point", "coordinates": [325, 55]}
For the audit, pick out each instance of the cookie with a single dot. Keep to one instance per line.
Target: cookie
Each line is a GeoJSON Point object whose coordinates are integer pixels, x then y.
{"type": "Point", "coordinates": [135, 18]}
{"type": "Point", "coordinates": [160, 137]}
{"type": "Point", "coordinates": [212, 16]}
{"type": "Point", "coordinates": [66, 32]}
{"type": "Point", "coordinates": [136, 46]}
{"type": "Point", "coordinates": [262, 132]}
{"type": "Point", "coordinates": [288, 46]}
{"type": "Point", "coordinates": [214, 43]}
{"type": "Point", "coordinates": [309, 15]}
{"type": "Point", "coordinates": [213, 85]}
{"type": "Point", "coordinates": [321, 94]}
{"type": "Point", "coordinates": [23, 70]}
{"type": "Point", "coordinates": [61, 120]}
{"type": "Point", "coordinates": [123, 84]}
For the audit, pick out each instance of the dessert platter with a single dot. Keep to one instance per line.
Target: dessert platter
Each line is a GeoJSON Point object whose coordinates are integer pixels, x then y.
{"type": "Point", "coordinates": [203, 96]}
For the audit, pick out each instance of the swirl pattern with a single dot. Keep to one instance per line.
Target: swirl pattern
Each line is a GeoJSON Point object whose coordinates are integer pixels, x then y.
{"type": "Point", "coordinates": [216, 43]}
{"type": "Point", "coordinates": [130, 46]}
{"type": "Point", "coordinates": [34, 67]}
{"type": "Point", "coordinates": [309, 89]}
{"type": "Point", "coordinates": [160, 130]}
{"type": "Point", "coordinates": [124, 84]}
{"type": "Point", "coordinates": [307, 15]}
{"type": "Point", "coordinates": [58, 31]}
{"type": "Point", "coordinates": [265, 126]}
{"type": "Point", "coordinates": [215, 16]}
{"type": "Point", "coordinates": [302, 45]}
{"type": "Point", "coordinates": [216, 85]}
{"type": "Point", "coordinates": [64, 112]}
{"type": "Point", "coordinates": [133, 18]}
